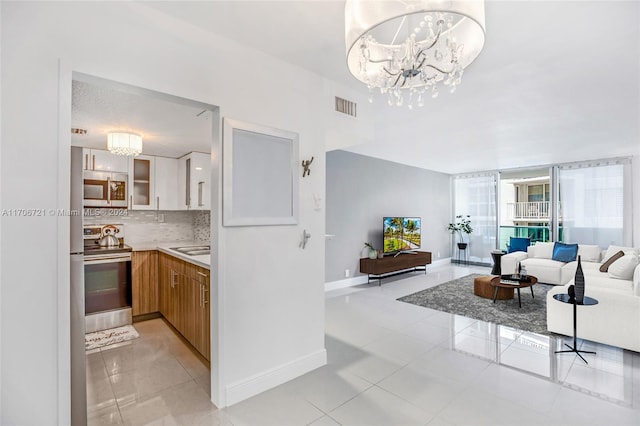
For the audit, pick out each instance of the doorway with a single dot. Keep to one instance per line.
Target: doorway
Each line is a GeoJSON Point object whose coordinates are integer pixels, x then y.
{"type": "Point", "coordinates": [98, 105]}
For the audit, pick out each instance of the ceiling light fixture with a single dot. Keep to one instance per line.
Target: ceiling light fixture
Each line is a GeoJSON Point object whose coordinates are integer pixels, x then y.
{"type": "Point", "coordinates": [406, 47]}
{"type": "Point", "coordinates": [122, 143]}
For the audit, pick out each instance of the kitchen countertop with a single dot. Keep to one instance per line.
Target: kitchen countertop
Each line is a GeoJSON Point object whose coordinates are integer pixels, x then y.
{"type": "Point", "coordinates": [165, 247]}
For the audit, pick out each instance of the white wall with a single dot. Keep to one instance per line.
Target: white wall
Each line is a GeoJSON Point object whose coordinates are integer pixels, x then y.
{"type": "Point", "coordinates": [380, 188]}
{"type": "Point", "coordinates": [273, 318]}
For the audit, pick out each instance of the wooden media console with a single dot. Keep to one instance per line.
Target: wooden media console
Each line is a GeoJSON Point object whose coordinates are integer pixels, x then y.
{"type": "Point", "coordinates": [394, 265]}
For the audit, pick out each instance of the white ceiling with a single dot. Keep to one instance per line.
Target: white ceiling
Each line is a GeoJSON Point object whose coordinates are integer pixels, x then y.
{"type": "Point", "coordinates": [169, 126]}
{"type": "Point", "coordinates": [556, 81]}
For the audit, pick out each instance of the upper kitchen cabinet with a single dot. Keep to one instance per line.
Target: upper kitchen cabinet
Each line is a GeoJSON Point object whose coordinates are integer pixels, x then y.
{"type": "Point", "coordinates": [102, 160]}
{"type": "Point", "coordinates": [166, 183]}
{"type": "Point", "coordinates": [194, 181]}
{"type": "Point", "coordinates": [141, 183]}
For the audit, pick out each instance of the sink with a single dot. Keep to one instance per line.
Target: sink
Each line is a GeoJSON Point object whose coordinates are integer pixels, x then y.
{"type": "Point", "coordinates": [193, 250]}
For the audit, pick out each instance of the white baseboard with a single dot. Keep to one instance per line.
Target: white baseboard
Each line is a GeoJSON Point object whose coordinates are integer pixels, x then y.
{"type": "Point", "coordinates": [362, 279]}
{"type": "Point", "coordinates": [266, 380]}
{"type": "Point", "coordinates": [349, 282]}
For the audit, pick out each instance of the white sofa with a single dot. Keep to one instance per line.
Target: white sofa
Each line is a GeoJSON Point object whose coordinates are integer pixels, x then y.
{"type": "Point", "coordinates": [538, 262]}
{"type": "Point", "coordinates": [615, 320]}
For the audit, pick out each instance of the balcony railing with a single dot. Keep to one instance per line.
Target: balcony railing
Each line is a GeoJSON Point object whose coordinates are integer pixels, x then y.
{"type": "Point", "coordinates": [535, 210]}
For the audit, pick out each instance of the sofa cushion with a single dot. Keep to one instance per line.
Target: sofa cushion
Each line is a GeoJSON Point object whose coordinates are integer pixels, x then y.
{"type": "Point", "coordinates": [541, 250]}
{"type": "Point", "coordinates": [605, 266]}
{"type": "Point", "coordinates": [623, 268]}
{"type": "Point", "coordinates": [589, 253]}
{"type": "Point", "coordinates": [614, 249]}
{"type": "Point", "coordinates": [564, 252]}
{"type": "Point", "coordinates": [518, 244]}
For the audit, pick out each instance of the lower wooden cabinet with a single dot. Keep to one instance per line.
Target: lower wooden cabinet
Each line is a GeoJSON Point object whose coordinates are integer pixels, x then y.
{"type": "Point", "coordinates": [184, 300]}
{"type": "Point", "coordinates": [145, 293]}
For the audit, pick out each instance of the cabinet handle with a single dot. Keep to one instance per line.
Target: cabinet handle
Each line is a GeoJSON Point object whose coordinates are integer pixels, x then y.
{"type": "Point", "coordinates": [157, 203]}
{"type": "Point", "coordinates": [204, 297]}
{"type": "Point", "coordinates": [200, 273]}
{"type": "Point", "coordinates": [130, 201]}
{"type": "Point", "coordinates": [201, 294]}
{"type": "Point", "coordinates": [200, 185]}
{"type": "Point", "coordinates": [86, 161]}
{"type": "Point", "coordinates": [109, 190]}
{"type": "Point", "coordinates": [173, 275]}
{"type": "Point", "coordinates": [94, 162]}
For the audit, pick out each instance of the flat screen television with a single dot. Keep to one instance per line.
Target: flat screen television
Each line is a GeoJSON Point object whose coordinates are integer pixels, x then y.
{"type": "Point", "coordinates": [401, 234]}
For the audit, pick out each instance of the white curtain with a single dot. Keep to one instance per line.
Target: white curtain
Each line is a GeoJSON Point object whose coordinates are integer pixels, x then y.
{"type": "Point", "coordinates": [594, 202]}
{"type": "Point", "coordinates": [475, 195]}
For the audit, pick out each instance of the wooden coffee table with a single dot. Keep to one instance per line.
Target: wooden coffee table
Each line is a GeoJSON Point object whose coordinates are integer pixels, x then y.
{"type": "Point", "coordinates": [513, 282]}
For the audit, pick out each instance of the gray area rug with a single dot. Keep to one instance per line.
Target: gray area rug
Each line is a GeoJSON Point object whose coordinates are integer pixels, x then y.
{"type": "Point", "coordinates": [457, 297]}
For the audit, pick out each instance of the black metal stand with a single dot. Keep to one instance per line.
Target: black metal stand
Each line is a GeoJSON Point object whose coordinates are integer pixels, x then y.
{"type": "Point", "coordinates": [393, 274]}
{"type": "Point", "coordinates": [587, 302]}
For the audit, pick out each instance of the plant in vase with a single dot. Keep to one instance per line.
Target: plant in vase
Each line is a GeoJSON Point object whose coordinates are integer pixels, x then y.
{"type": "Point", "coordinates": [373, 253]}
{"type": "Point", "coordinates": [461, 226]}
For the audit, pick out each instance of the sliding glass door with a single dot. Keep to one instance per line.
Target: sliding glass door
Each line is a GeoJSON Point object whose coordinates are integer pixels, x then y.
{"type": "Point", "coordinates": [475, 196]}
{"type": "Point", "coordinates": [526, 206]}
{"type": "Point", "coordinates": [595, 203]}
{"type": "Point", "coordinates": [585, 202]}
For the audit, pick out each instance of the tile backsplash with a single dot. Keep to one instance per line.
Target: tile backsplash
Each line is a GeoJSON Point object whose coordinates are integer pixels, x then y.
{"type": "Point", "coordinates": [146, 226]}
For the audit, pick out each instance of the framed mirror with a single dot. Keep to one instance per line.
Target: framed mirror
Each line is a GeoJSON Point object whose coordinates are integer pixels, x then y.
{"type": "Point", "coordinates": [260, 179]}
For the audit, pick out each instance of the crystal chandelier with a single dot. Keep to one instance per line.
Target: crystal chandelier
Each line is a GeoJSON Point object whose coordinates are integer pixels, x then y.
{"type": "Point", "coordinates": [122, 143]}
{"type": "Point", "coordinates": [406, 48]}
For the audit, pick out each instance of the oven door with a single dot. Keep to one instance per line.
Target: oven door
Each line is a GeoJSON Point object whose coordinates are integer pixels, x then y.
{"type": "Point", "coordinates": [107, 282]}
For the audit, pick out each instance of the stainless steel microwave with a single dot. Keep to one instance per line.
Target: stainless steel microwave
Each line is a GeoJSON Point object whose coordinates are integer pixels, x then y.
{"type": "Point", "coordinates": [105, 189]}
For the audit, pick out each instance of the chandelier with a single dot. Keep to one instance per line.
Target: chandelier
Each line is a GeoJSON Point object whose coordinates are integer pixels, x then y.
{"type": "Point", "coordinates": [122, 143]}
{"type": "Point", "coordinates": [407, 48]}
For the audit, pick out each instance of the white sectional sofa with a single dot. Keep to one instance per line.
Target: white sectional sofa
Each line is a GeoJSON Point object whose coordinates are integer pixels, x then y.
{"type": "Point", "coordinates": [615, 320]}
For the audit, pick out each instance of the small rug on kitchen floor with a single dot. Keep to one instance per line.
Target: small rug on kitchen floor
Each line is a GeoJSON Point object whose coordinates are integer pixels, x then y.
{"type": "Point", "coordinates": [457, 297]}
{"type": "Point", "coordinates": [98, 339]}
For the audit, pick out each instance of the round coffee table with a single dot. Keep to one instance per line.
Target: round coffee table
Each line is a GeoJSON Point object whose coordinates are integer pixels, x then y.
{"type": "Point", "coordinates": [513, 282]}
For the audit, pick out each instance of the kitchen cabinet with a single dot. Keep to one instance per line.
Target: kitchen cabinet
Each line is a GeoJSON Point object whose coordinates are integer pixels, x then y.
{"type": "Point", "coordinates": [166, 183]}
{"type": "Point", "coordinates": [141, 183]}
{"type": "Point", "coordinates": [102, 160]}
{"type": "Point", "coordinates": [194, 181]}
{"type": "Point", "coordinates": [145, 291]}
{"type": "Point", "coordinates": [198, 305]}
{"type": "Point", "coordinates": [184, 300]}
{"type": "Point", "coordinates": [170, 271]}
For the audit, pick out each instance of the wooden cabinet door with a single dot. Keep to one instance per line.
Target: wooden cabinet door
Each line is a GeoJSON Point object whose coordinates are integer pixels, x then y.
{"type": "Point", "coordinates": [144, 282]}
{"type": "Point", "coordinates": [203, 317]}
{"type": "Point", "coordinates": [171, 285]}
{"type": "Point", "coordinates": [188, 302]}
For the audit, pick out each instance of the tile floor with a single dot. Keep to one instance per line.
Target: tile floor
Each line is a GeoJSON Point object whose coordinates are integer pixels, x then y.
{"type": "Point", "coordinates": [389, 363]}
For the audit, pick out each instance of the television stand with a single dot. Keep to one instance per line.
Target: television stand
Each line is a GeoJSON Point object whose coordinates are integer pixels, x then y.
{"type": "Point", "coordinates": [389, 266]}
{"type": "Point", "coordinates": [404, 252]}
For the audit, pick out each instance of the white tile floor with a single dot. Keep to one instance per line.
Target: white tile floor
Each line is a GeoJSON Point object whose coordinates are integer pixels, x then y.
{"type": "Point", "coordinates": [389, 363]}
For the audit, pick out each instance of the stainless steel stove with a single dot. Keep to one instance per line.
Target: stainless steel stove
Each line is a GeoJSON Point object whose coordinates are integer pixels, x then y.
{"type": "Point", "coordinates": [107, 279]}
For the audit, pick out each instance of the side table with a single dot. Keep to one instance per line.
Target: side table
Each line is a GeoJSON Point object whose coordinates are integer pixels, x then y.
{"type": "Point", "coordinates": [588, 301]}
{"type": "Point", "coordinates": [497, 258]}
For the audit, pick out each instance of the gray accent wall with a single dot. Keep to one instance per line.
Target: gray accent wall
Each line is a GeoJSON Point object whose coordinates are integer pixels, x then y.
{"type": "Point", "coordinates": [362, 190]}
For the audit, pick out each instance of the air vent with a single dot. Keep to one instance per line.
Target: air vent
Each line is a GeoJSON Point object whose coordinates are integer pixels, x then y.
{"type": "Point", "coordinates": [346, 107]}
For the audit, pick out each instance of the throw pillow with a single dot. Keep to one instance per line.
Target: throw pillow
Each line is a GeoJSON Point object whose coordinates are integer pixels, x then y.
{"type": "Point", "coordinates": [605, 266]}
{"type": "Point", "coordinates": [614, 249]}
{"type": "Point", "coordinates": [564, 252]}
{"type": "Point", "coordinates": [589, 253]}
{"type": "Point", "coordinates": [623, 268]}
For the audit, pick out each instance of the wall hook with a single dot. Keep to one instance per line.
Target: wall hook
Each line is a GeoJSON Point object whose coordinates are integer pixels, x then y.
{"type": "Point", "coordinates": [305, 237]}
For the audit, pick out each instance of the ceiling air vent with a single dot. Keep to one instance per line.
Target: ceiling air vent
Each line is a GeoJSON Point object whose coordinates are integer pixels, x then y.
{"type": "Point", "coordinates": [346, 107]}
